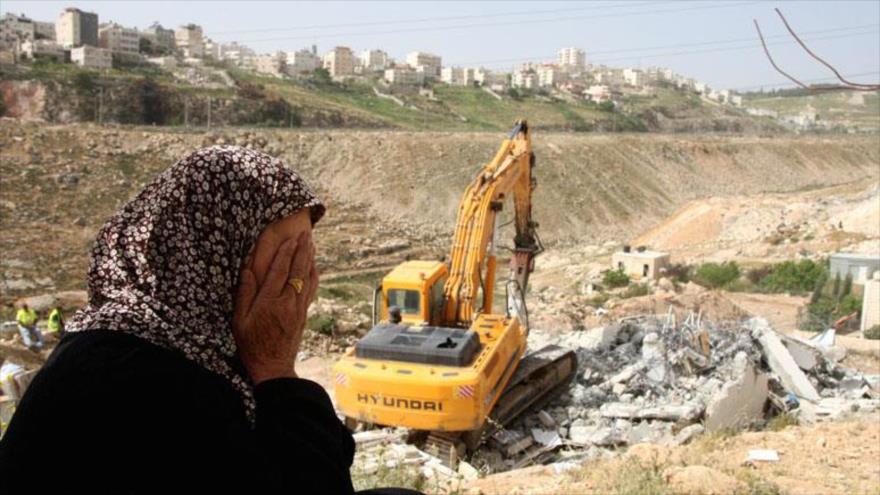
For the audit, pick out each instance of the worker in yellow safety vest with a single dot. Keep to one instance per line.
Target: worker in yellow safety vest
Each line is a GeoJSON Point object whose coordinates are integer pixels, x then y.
{"type": "Point", "coordinates": [27, 327]}
{"type": "Point", "coordinates": [56, 323]}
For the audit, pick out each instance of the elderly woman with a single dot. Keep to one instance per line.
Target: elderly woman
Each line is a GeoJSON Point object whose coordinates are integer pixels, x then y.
{"type": "Point", "coordinates": [179, 374]}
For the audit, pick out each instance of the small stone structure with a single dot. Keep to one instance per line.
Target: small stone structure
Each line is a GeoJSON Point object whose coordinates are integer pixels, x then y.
{"type": "Point", "coordinates": [640, 264]}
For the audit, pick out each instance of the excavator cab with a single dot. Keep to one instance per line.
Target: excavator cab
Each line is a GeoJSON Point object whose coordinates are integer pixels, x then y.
{"type": "Point", "coordinates": [415, 288]}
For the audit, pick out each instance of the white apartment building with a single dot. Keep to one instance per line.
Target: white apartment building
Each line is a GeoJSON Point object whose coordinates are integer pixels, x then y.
{"type": "Point", "coordinates": [75, 28]}
{"type": "Point", "coordinates": [610, 77]}
{"type": "Point", "coordinates": [524, 79]}
{"type": "Point", "coordinates": [33, 49]}
{"type": "Point", "coordinates": [339, 62]}
{"type": "Point", "coordinates": [274, 64]}
{"type": "Point", "coordinates": [571, 58]}
{"type": "Point", "coordinates": [92, 57]}
{"type": "Point", "coordinates": [238, 54]}
{"type": "Point", "coordinates": [21, 28]}
{"type": "Point", "coordinates": [162, 39]}
{"type": "Point", "coordinates": [549, 76]}
{"type": "Point", "coordinates": [404, 75]}
{"type": "Point", "coordinates": [700, 87]}
{"type": "Point", "coordinates": [598, 93]}
{"type": "Point", "coordinates": [736, 100]}
{"type": "Point", "coordinates": [457, 76]}
{"type": "Point", "coordinates": [190, 41]}
{"type": "Point", "coordinates": [497, 81]}
{"type": "Point", "coordinates": [374, 60]}
{"type": "Point", "coordinates": [634, 77]}
{"type": "Point", "coordinates": [427, 63]}
{"type": "Point", "coordinates": [302, 62]}
{"type": "Point", "coordinates": [212, 49]}
{"type": "Point", "coordinates": [118, 39]}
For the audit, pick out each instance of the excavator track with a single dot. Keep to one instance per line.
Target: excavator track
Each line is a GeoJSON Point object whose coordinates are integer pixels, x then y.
{"type": "Point", "coordinates": [540, 376]}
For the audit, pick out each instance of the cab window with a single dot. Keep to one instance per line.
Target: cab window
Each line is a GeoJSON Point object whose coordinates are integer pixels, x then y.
{"type": "Point", "coordinates": [406, 300]}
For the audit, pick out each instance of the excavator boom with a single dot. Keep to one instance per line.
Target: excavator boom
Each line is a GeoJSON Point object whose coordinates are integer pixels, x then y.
{"type": "Point", "coordinates": [473, 259]}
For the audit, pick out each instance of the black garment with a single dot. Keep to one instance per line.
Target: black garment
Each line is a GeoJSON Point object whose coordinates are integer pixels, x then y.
{"type": "Point", "coordinates": [110, 412]}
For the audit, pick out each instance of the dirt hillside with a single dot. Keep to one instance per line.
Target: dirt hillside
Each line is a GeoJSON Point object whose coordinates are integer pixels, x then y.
{"type": "Point", "coordinates": [60, 183]}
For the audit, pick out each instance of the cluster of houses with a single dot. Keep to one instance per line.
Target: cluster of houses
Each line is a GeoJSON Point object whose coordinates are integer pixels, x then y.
{"type": "Point", "coordinates": [77, 37]}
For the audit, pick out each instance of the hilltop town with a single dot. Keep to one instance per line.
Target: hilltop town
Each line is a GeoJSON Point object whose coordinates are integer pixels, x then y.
{"type": "Point", "coordinates": [588, 95]}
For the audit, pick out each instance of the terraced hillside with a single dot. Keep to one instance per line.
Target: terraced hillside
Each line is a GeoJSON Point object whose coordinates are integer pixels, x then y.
{"type": "Point", "coordinates": [392, 191]}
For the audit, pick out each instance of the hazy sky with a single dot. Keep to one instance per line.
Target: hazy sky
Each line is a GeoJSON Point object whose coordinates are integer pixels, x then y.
{"type": "Point", "coordinates": [712, 41]}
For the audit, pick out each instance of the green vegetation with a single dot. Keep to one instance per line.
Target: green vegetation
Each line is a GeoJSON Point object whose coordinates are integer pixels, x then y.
{"type": "Point", "coordinates": [873, 333]}
{"type": "Point", "coordinates": [827, 305]}
{"type": "Point", "coordinates": [717, 275]}
{"type": "Point", "coordinates": [322, 324]}
{"type": "Point", "coordinates": [615, 278]}
{"type": "Point", "coordinates": [796, 278]}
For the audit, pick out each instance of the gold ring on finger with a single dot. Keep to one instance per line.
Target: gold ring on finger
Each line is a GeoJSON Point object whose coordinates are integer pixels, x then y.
{"type": "Point", "coordinates": [297, 284]}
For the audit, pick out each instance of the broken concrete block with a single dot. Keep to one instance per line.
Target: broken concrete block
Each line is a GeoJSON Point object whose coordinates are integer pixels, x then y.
{"type": "Point", "coordinates": [835, 354]}
{"type": "Point", "coordinates": [547, 438]}
{"type": "Point", "coordinates": [581, 435]}
{"type": "Point", "coordinates": [739, 402]}
{"type": "Point", "coordinates": [619, 410]}
{"type": "Point", "coordinates": [653, 348]}
{"type": "Point", "coordinates": [687, 434]}
{"type": "Point", "coordinates": [683, 412]}
{"type": "Point", "coordinates": [546, 419]}
{"type": "Point", "coordinates": [668, 412]}
{"type": "Point", "coordinates": [598, 338]}
{"type": "Point", "coordinates": [467, 471]}
{"type": "Point", "coordinates": [806, 356]}
{"type": "Point", "coordinates": [784, 365]}
{"type": "Point", "coordinates": [627, 373]}
{"type": "Point", "coordinates": [607, 437]}
{"type": "Point", "coordinates": [646, 431]}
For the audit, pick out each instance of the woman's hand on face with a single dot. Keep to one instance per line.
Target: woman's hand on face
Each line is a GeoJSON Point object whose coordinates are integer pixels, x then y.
{"type": "Point", "coordinates": [270, 318]}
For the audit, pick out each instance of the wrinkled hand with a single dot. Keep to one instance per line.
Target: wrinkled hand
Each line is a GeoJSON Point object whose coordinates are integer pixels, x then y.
{"type": "Point", "coordinates": [269, 320]}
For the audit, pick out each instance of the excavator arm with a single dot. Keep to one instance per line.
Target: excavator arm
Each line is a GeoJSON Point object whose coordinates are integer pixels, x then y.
{"type": "Point", "coordinates": [473, 257]}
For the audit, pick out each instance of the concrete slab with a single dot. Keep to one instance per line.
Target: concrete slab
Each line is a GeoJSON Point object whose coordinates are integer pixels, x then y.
{"type": "Point", "coordinates": [806, 356]}
{"type": "Point", "coordinates": [739, 402]}
{"type": "Point", "coordinates": [784, 365]}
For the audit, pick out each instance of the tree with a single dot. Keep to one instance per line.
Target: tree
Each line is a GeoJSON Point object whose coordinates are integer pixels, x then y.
{"type": "Point", "coordinates": [847, 285]}
{"type": "Point", "coordinates": [717, 275]}
{"type": "Point", "coordinates": [615, 278]}
{"type": "Point", "coordinates": [153, 105]}
{"type": "Point", "coordinates": [322, 76]}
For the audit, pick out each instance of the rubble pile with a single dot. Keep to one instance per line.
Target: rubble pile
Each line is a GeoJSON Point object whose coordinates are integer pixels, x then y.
{"type": "Point", "coordinates": [655, 379]}
{"type": "Point", "coordinates": [663, 380]}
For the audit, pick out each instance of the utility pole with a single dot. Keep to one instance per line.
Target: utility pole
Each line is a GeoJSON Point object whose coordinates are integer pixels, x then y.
{"type": "Point", "coordinates": [209, 113]}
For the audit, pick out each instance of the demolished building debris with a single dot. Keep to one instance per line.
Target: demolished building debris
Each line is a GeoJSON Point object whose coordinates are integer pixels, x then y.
{"type": "Point", "coordinates": [654, 379]}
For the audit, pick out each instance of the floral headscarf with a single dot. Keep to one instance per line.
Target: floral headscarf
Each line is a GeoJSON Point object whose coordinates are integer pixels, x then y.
{"type": "Point", "coordinates": [166, 266]}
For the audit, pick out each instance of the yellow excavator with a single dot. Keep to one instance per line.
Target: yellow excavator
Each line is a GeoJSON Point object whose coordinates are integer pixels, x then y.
{"type": "Point", "coordinates": [439, 358]}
